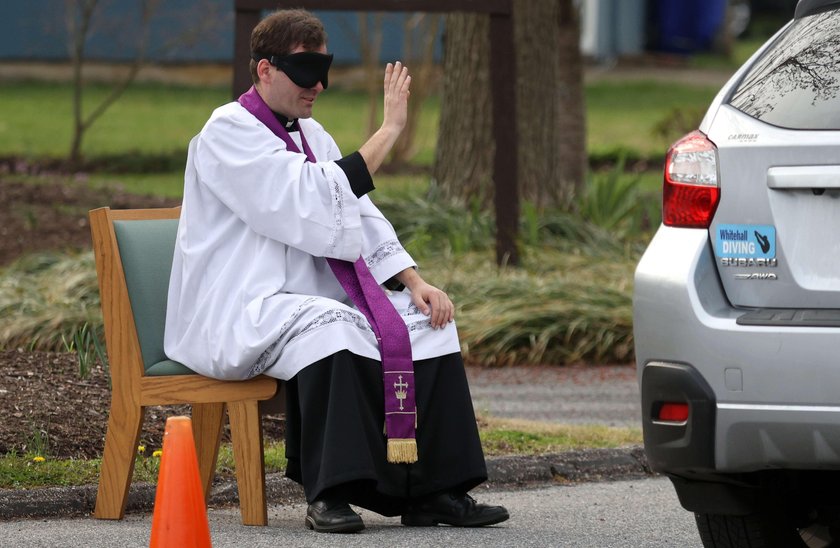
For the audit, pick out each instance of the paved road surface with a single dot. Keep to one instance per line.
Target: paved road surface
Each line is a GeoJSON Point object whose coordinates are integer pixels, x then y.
{"type": "Point", "coordinates": [573, 395]}
{"type": "Point", "coordinates": [595, 514]}
{"type": "Point", "coordinates": [639, 514]}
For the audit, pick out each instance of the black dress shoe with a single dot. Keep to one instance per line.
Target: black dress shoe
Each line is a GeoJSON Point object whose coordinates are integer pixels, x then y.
{"type": "Point", "coordinates": [452, 509]}
{"type": "Point", "coordinates": [326, 516]}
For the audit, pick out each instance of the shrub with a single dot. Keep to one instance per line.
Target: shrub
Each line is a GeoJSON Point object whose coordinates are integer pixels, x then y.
{"type": "Point", "coordinates": [569, 302]}
{"type": "Point", "coordinates": [46, 299]}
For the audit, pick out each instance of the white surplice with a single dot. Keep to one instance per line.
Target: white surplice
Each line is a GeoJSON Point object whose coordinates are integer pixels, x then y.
{"type": "Point", "coordinates": [251, 291]}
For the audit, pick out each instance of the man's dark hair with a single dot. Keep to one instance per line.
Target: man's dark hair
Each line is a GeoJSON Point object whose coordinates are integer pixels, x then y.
{"type": "Point", "coordinates": [283, 31]}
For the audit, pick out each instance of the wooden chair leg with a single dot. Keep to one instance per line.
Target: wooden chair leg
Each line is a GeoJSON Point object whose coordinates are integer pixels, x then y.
{"type": "Point", "coordinates": [246, 431]}
{"type": "Point", "coordinates": [121, 439]}
{"type": "Point", "coordinates": [207, 420]}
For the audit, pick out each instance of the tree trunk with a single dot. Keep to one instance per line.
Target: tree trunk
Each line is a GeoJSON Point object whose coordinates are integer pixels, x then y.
{"type": "Point", "coordinates": [550, 107]}
{"type": "Point", "coordinates": [463, 167]}
{"type": "Point", "coordinates": [549, 100]}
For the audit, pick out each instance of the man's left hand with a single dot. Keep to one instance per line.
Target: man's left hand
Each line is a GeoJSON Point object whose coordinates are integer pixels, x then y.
{"type": "Point", "coordinates": [434, 303]}
{"type": "Point", "coordinates": [429, 299]}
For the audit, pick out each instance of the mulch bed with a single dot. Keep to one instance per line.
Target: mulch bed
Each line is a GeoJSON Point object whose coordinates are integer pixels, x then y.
{"type": "Point", "coordinates": [44, 402]}
{"type": "Point", "coordinates": [53, 216]}
{"type": "Point", "coordinates": [47, 406]}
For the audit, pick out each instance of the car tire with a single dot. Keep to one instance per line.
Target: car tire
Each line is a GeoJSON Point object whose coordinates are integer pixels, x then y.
{"type": "Point", "coordinates": [758, 530]}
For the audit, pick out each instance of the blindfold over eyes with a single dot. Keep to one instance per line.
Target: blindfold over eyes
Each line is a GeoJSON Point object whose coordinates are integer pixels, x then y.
{"type": "Point", "coordinates": [305, 69]}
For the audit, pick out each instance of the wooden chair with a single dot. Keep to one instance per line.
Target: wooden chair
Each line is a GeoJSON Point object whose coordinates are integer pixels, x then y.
{"type": "Point", "coordinates": [133, 250]}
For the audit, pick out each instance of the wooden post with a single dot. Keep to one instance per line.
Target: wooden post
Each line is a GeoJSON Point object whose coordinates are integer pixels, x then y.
{"type": "Point", "coordinates": [506, 191]}
{"type": "Point", "coordinates": [502, 78]}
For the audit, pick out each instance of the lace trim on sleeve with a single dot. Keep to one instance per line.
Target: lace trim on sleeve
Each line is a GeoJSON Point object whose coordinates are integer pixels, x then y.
{"type": "Point", "coordinates": [338, 214]}
{"type": "Point", "coordinates": [385, 251]}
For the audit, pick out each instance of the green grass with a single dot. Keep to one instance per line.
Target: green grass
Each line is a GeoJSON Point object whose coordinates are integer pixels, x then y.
{"type": "Point", "coordinates": [170, 184]}
{"type": "Point", "coordinates": [344, 114]}
{"type": "Point", "coordinates": [35, 119]}
{"type": "Point", "coordinates": [624, 116]}
{"type": "Point", "coordinates": [23, 472]}
{"type": "Point", "coordinates": [498, 437]}
{"type": "Point", "coordinates": [741, 51]}
{"type": "Point", "coordinates": [521, 437]}
{"type": "Point", "coordinates": [401, 187]}
{"type": "Point", "coordinates": [37, 469]}
{"type": "Point", "coordinates": [167, 184]}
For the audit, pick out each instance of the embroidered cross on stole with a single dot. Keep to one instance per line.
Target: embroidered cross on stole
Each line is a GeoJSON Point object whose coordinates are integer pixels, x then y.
{"type": "Point", "coordinates": [371, 300]}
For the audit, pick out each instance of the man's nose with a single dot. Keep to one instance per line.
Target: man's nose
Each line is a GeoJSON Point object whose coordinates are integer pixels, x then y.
{"type": "Point", "coordinates": [319, 87]}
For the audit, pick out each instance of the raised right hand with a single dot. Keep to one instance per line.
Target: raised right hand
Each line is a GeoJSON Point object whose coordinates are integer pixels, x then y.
{"type": "Point", "coordinates": [397, 83]}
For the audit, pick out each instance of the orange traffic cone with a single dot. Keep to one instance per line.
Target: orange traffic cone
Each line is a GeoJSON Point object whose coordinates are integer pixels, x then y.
{"type": "Point", "coordinates": [180, 514]}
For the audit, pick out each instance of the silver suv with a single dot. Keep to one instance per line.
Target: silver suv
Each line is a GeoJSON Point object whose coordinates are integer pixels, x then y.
{"type": "Point", "coordinates": [737, 300]}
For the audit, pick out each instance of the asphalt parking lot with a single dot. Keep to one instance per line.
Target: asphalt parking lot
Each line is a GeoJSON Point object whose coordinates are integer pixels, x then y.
{"type": "Point", "coordinates": [571, 395]}
{"type": "Point", "coordinates": [606, 394]}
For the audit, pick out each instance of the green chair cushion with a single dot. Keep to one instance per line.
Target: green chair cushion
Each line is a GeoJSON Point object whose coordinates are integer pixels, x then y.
{"type": "Point", "coordinates": [146, 249]}
{"type": "Point", "coordinates": [168, 367]}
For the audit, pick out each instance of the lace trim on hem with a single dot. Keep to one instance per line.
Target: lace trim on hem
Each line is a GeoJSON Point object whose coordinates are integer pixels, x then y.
{"type": "Point", "coordinates": [262, 362]}
{"type": "Point", "coordinates": [419, 326]}
{"type": "Point", "coordinates": [331, 317]}
{"type": "Point", "coordinates": [326, 318]}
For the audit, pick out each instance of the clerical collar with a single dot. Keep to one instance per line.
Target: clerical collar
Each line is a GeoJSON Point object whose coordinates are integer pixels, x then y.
{"type": "Point", "coordinates": [290, 125]}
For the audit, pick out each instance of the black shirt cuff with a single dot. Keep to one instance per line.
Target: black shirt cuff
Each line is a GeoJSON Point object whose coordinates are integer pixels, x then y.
{"type": "Point", "coordinates": [393, 284]}
{"type": "Point", "coordinates": [355, 168]}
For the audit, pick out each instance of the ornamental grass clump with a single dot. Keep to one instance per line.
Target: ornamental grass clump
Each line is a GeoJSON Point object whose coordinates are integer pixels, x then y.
{"type": "Point", "coordinates": [560, 308]}
{"type": "Point", "coordinates": [559, 323]}
{"type": "Point", "coordinates": [46, 299]}
{"type": "Point", "coordinates": [428, 226]}
{"type": "Point", "coordinates": [568, 302]}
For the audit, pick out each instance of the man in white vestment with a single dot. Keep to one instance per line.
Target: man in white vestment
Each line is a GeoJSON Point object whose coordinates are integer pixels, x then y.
{"type": "Point", "coordinates": [271, 212]}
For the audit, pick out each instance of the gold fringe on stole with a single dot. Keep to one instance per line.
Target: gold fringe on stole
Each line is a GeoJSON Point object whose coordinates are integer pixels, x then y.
{"type": "Point", "coordinates": [402, 450]}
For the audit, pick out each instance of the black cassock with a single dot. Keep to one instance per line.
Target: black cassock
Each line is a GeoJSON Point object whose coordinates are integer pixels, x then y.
{"type": "Point", "coordinates": [335, 438]}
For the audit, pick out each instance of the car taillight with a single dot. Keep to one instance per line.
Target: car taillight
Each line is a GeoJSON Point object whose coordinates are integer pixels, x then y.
{"type": "Point", "coordinates": [691, 191]}
{"type": "Point", "coordinates": [672, 412]}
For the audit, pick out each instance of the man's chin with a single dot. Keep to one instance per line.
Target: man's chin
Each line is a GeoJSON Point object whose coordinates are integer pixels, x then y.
{"type": "Point", "coordinates": [305, 113]}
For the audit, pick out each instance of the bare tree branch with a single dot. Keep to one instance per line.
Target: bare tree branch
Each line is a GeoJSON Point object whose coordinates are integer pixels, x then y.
{"type": "Point", "coordinates": [147, 9]}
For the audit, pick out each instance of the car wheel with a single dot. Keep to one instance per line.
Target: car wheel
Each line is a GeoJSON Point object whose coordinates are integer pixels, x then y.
{"type": "Point", "coordinates": [759, 530]}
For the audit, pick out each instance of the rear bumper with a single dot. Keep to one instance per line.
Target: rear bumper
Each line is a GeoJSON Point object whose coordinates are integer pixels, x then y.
{"type": "Point", "coordinates": [761, 397]}
{"type": "Point", "coordinates": [678, 447]}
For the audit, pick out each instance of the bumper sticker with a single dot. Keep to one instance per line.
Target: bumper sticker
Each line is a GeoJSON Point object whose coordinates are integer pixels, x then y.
{"type": "Point", "coordinates": [745, 241]}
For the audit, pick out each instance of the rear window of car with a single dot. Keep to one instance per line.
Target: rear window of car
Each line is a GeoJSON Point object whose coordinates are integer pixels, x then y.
{"type": "Point", "coordinates": [795, 84]}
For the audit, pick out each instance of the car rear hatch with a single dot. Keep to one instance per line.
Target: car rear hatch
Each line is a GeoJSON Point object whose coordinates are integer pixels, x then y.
{"type": "Point", "coordinates": [776, 229]}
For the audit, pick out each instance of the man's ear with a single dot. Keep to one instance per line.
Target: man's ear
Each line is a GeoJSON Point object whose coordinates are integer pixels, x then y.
{"type": "Point", "coordinates": [264, 69]}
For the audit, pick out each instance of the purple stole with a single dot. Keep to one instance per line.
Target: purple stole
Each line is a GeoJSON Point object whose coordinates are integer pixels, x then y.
{"type": "Point", "coordinates": [389, 328]}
